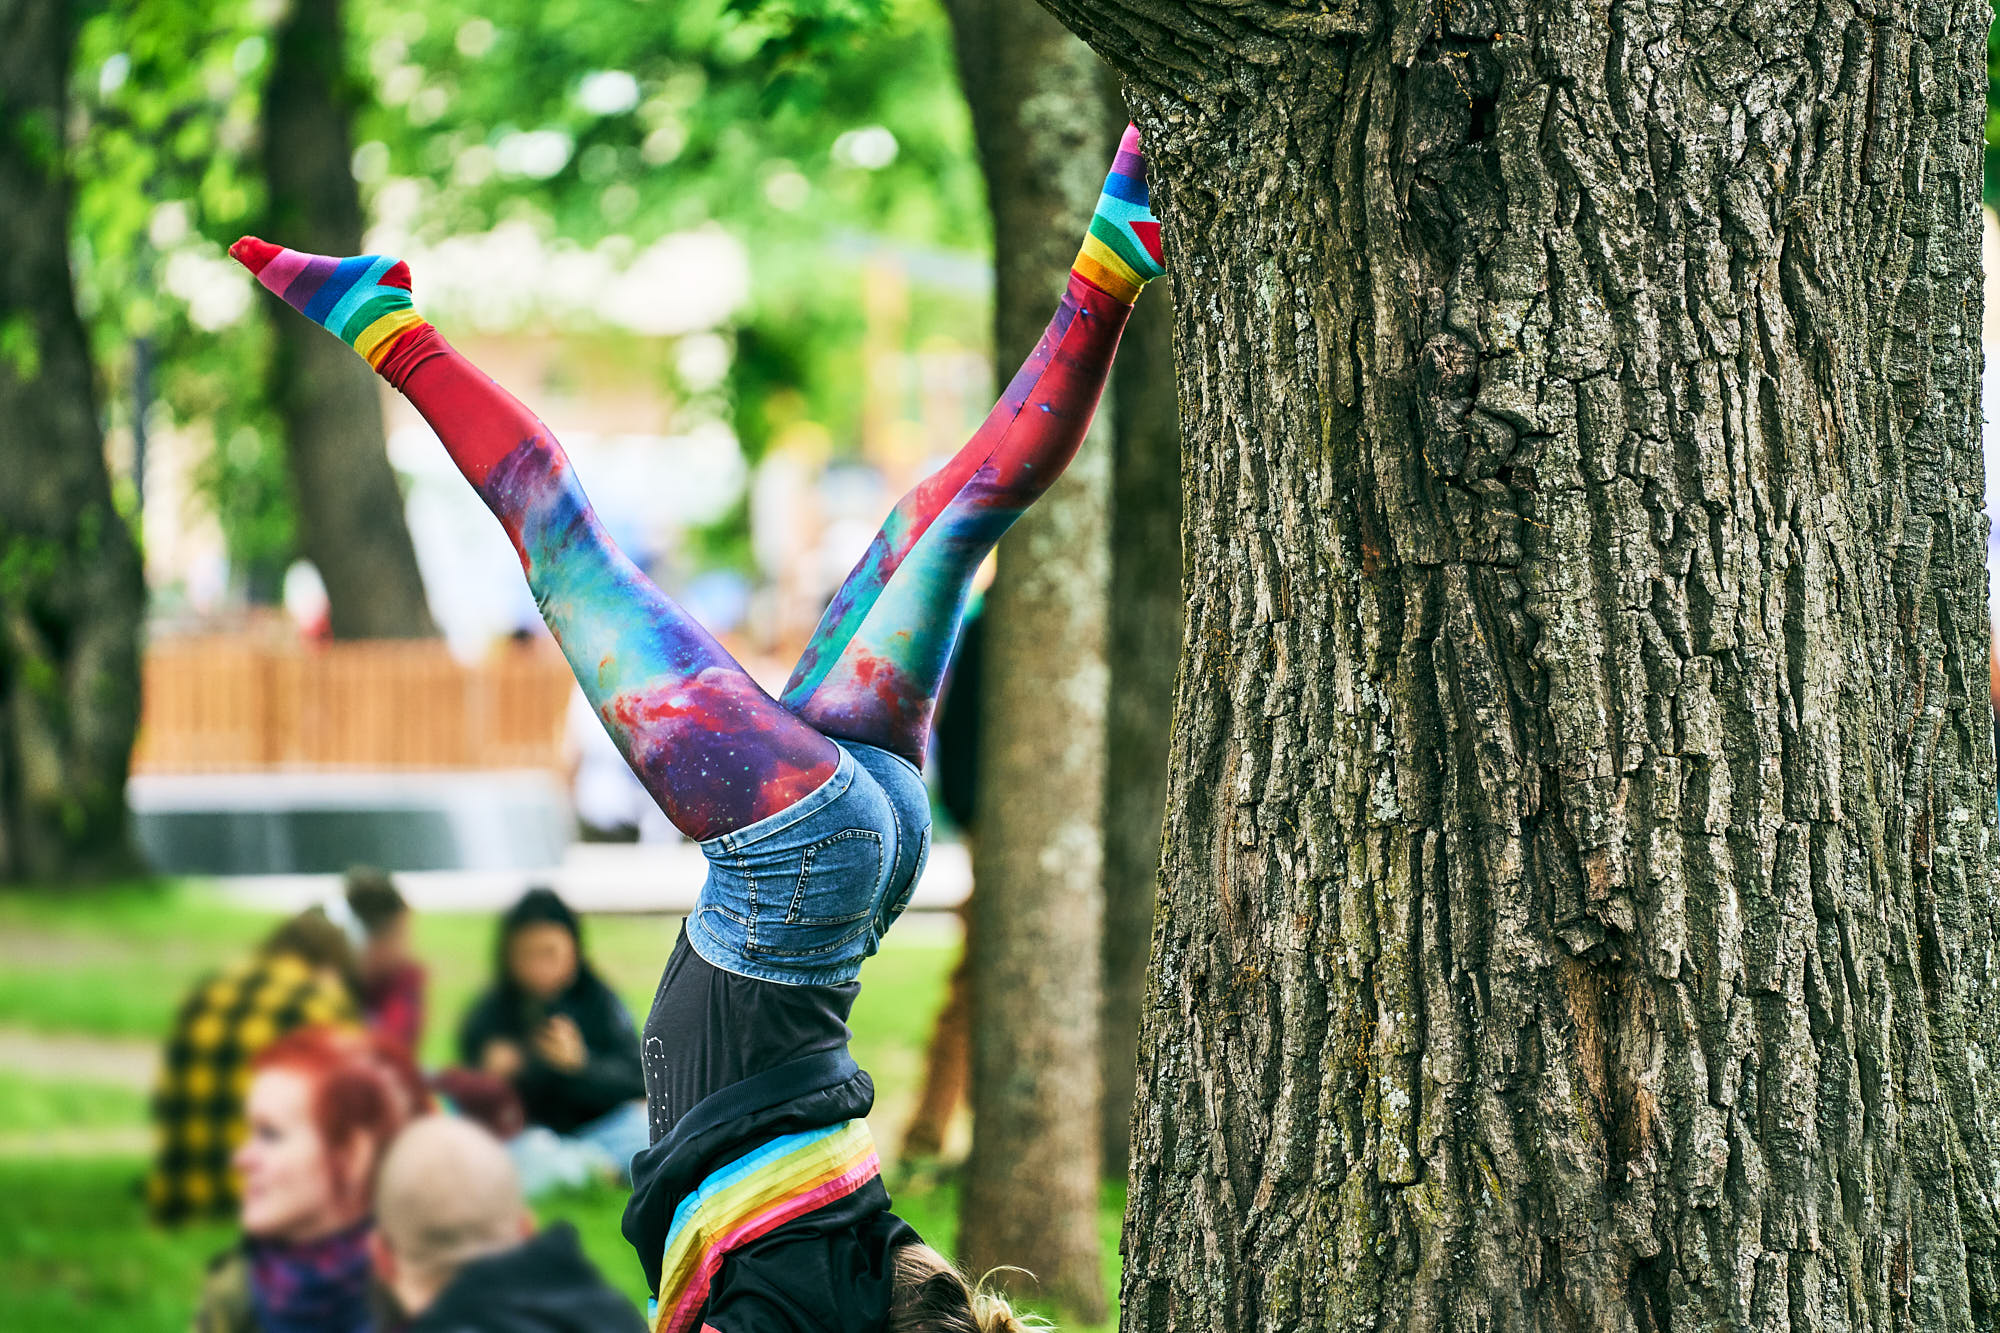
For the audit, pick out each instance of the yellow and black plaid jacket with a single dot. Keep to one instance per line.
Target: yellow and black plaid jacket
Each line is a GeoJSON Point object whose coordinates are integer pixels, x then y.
{"type": "Point", "coordinates": [198, 1104]}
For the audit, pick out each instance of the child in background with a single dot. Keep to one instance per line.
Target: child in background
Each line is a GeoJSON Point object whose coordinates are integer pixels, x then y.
{"type": "Point", "coordinates": [392, 981]}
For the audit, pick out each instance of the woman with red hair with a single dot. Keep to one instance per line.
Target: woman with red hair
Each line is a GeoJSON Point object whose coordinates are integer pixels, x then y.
{"type": "Point", "coordinates": [323, 1105]}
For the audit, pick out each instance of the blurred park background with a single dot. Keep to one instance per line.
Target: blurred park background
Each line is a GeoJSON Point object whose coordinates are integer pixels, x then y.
{"type": "Point", "coordinates": [748, 261]}
{"type": "Point", "coordinates": [742, 258]}
{"type": "Point", "coordinates": [86, 986]}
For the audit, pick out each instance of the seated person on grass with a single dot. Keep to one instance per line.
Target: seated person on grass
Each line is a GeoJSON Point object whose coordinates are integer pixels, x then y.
{"type": "Point", "coordinates": [567, 1044]}
{"type": "Point", "coordinates": [324, 1105]}
{"type": "Point", "coordinates": [303, 973]}
{"type": "Point", "coordinates": [456, 1248]}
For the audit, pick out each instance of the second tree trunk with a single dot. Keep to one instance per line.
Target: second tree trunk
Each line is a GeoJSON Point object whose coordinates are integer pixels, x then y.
{"type": "Point", "coordinates": [350, 509]}
{"type": "Point", "coordinates": [1032, 1181]}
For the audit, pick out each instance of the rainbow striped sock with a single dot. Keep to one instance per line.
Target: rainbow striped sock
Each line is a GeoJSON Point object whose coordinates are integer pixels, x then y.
{"type": "Point", "coordinates": [1121, 252]}
{"type": "Point", "coordinates": [364, 301]}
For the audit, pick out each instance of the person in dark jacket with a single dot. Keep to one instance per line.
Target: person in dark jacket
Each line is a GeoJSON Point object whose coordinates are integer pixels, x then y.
{"type": "Point", "coordinates": [455, 1246]}
{"type": "Point", "coordinates": [564, 1040]}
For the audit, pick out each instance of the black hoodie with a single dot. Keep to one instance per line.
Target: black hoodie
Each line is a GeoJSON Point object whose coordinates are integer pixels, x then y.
{"type": "Point", "coordinates": [829, 1271]}
{"type": "Point", "coordinates": [544, 1285]}
{"type": "Point", "coordinates": [758, 1061]}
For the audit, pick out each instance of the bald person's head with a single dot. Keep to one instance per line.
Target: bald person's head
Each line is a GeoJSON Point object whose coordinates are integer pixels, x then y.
{"type": "Point", "coordinates": [447, 1194]}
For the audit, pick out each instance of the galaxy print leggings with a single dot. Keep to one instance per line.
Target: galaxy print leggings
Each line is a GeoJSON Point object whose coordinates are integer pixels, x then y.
{"type": "Point", "coordinates": [710, 745]}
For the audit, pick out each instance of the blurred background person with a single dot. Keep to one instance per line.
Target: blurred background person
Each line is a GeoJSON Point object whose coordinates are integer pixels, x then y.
{"type": "Point", "coordinates": [455, 1247]}
{"type": "Point", "coordinates": [566, 1042]}
{"type": "Point", "coordinates": [392, 980]}
{"type": "Point", "coordinates": [323, 1106]}
{"type": "Point", "coordinates": [304, 972]}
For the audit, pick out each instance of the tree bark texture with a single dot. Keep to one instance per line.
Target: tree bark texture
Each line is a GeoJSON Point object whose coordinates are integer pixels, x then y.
{"type": "Point", "coordinates": [1031, 1183]}
{"type": "Point", "coordinates": [1578, 908]}
{"type": "Point", "coordinates": [1144, 640]}
{"type": "Point", "coordinates": [350, 509]}
{"type": "Point", "coordinates": [72, 600]}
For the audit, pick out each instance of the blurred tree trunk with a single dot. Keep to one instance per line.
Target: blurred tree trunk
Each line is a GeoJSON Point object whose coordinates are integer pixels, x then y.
{"type": "Point", "coordinates": [955, 760]}
{"type": "Point", "coordinates": [1145, 645]}
{"type": "Point", "coordinates": [72, 599]}
{"type": "Point", "coordinates": [1578, 903]}
{"type": "Point", "coordinates": [947, 1057]}
{"type": "Point", "coordinates": [1031, 1189]}
{"type": "Point", "coordinates": [351, 523]}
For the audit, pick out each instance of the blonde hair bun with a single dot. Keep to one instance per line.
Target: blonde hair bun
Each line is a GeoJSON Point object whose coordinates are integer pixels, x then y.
{"type": "Point", "coordinates": [992, 1313]}
{"type": "Point", "coordinates": [932, 1296]}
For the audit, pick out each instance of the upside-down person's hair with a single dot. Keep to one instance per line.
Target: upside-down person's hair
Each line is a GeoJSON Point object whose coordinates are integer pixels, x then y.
{"type": "Point", "coordinates": [361, 1085]}
{"type": "Point", "coordinates": [932, 1296]}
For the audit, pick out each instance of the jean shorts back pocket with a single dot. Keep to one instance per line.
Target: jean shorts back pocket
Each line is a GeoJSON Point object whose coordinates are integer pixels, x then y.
{"type": "Point", "coordinates": [831, 903]}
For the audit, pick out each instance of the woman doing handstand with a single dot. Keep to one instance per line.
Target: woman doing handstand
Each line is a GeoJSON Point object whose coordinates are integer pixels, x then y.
{"type": "Point", "coordinates": [759, 1205]}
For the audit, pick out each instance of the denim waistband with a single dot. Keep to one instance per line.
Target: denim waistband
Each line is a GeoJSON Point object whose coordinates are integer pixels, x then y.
{"type": "Point", "coordinates": [817, 799]}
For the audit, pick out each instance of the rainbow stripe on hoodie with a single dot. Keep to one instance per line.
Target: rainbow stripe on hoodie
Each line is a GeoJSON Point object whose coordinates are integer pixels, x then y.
{"type": "Point", "coordinates": [749, 1197]}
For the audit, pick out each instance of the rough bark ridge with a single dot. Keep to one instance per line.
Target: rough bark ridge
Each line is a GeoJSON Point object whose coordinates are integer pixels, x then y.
{"type": "Point", "coordinates": [1144, 636]}
{"type": "Point", "coordinates": [350, 510]}
{"type": "Point", "coordinates": [71, 596]}
{"type": "Point", "coordinates": [1578, 910]}
{"type": "Point", "coordinates": [1031, 1180]}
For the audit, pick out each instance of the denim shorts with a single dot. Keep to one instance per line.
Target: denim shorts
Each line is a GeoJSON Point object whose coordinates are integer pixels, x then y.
{"type": "Point", "coordinates": [802, 896]}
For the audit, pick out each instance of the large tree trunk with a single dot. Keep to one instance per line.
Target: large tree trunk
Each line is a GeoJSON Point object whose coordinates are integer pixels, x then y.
{"type": "Point", "coordinates": [350, 509]}
{"type": "Point", "coordinates": [1145, 642]}
{"type": "Point", "coordinates": [1031, 1181]}
{"type": "Point", "coordinates": [71, 596]}
{"type": "Point", "coordinates": [1577, 907]}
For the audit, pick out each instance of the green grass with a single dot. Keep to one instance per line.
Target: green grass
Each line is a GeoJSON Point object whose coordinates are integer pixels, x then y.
{"type": "Point", "coordinates": [112, 961]}
{"type": "Point", "coordinates": [31, 1104]}
{"type": "Point", "coordinates": [76, 1250]}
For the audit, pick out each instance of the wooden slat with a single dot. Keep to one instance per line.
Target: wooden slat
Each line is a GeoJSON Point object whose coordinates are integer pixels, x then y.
{"type": "Point", "coordinates": [240, 703]}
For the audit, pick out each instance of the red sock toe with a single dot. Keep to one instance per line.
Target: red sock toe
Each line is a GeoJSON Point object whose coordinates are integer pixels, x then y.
{"type": "Point", "coordinates": [254, 254]}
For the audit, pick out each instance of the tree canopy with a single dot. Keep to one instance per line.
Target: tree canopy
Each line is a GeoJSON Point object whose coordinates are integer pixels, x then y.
{"type": "Point", "coordinates": [817, 132]}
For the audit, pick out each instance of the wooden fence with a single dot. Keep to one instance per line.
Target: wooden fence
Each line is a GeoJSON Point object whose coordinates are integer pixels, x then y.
{"type": "Point", "coordinates": [236, 704]}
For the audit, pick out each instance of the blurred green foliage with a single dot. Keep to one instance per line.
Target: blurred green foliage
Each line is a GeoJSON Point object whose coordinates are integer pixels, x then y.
{"type": "Point", "coordinates": [811, 129]}
{"type": "Point", "coordinates": [166, 94]}
{"type": "Point", "coordinates": [1992, 190]}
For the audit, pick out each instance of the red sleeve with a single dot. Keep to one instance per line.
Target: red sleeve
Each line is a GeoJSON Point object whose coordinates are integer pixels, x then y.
{"type": "Point", "coordinates": [398, 1012]}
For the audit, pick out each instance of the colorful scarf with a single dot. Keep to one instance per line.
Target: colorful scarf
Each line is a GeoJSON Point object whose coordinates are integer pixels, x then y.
{"type": "Point", "coordinates": [750, 1197]}
{"type": "Point", "coordinates": [320, 1286]}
